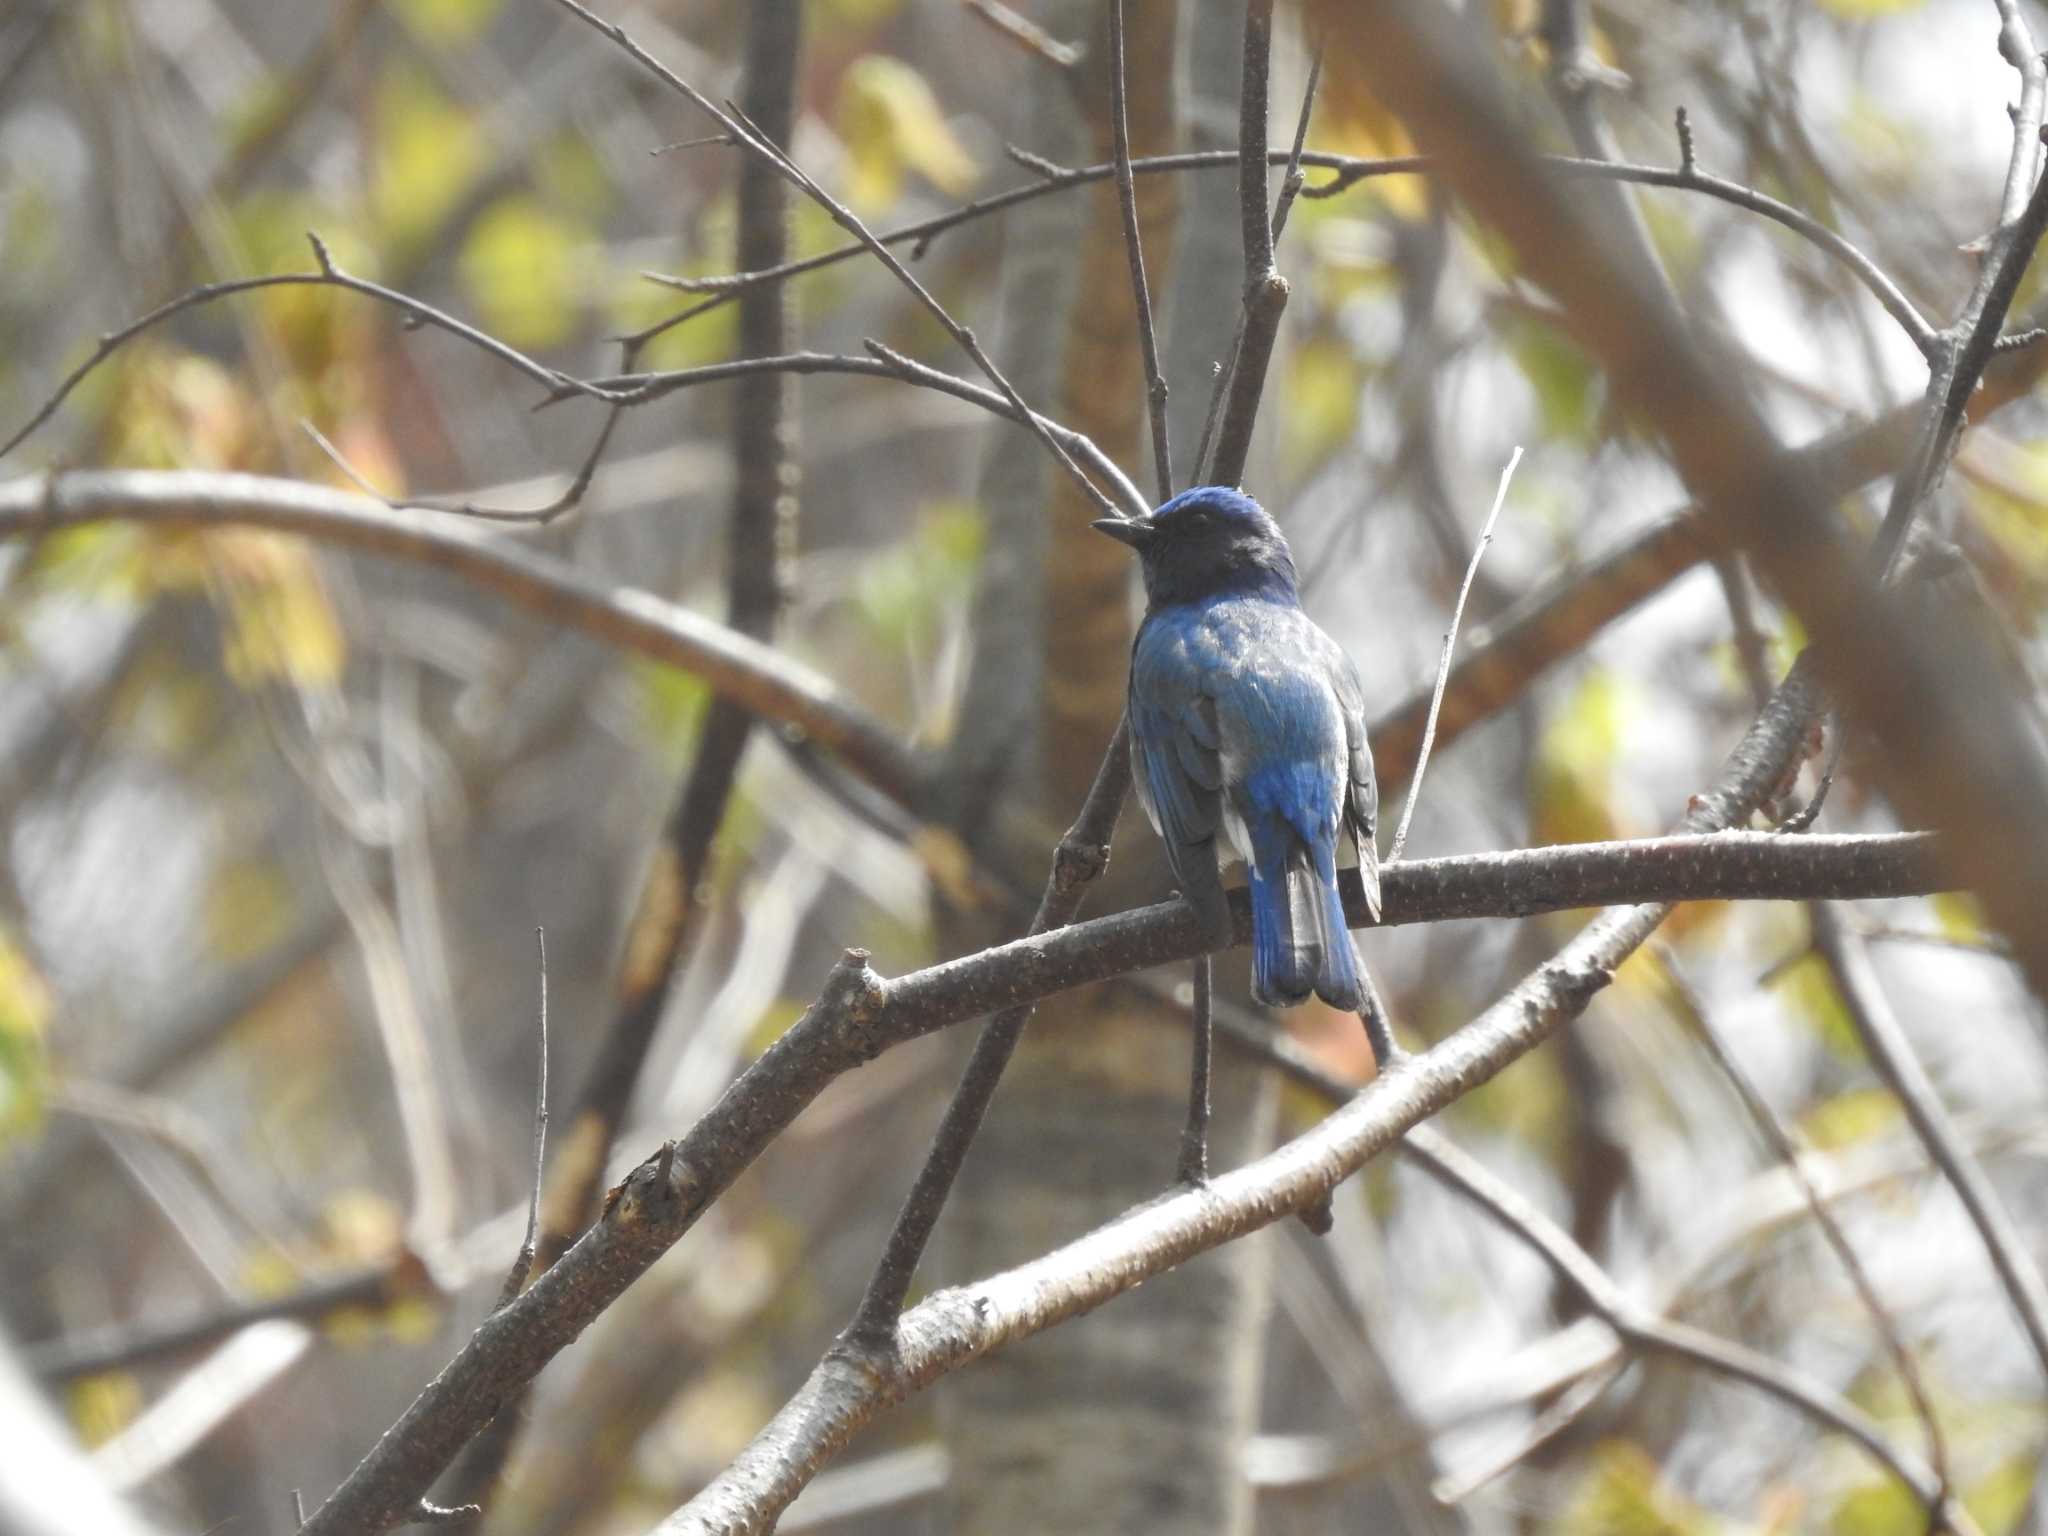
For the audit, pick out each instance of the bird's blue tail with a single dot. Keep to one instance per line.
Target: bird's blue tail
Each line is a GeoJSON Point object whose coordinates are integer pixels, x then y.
{"type": "Point", "coordinates": [1300, 941]}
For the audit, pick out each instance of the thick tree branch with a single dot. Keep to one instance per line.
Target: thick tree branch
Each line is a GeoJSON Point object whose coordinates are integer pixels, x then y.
{"type": "Point", "coordinates": [1961, 352]}
{"type": "Point", "coordinates": [860, 1014]}
{"type": "Point", "coordinates": [848, 1388]}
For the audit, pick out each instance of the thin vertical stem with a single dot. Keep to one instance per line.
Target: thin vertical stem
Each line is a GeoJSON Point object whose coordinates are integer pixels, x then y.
{"type": "Point", "coordinates": [1194, 1138]}
{"type": "Point", "coordinates": [1127, 201]}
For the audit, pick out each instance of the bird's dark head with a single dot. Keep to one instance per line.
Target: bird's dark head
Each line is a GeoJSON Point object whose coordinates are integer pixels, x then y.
{"type": "Point", "coordinates": [1205, 542]}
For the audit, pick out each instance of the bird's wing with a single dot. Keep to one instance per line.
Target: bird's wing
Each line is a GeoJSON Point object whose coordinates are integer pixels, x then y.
{"type": "Point", "coordinates": [1177, 754]}
{"type": "Point", "coordinates": [1362, 803]}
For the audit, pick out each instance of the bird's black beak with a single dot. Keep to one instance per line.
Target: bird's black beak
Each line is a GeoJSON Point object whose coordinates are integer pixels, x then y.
{"type": "Point", "coordinates": [1125, 530]}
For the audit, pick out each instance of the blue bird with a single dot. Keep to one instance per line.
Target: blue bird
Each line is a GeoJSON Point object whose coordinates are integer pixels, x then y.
{"type": "Point", "coordinates": [1248, 719]}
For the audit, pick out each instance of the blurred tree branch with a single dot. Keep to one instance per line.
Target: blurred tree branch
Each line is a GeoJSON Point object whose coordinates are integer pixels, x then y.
{"type": "Point", "coordinates": [760, 679]}
{"type": "Point", "coordinates": [1958, 752]}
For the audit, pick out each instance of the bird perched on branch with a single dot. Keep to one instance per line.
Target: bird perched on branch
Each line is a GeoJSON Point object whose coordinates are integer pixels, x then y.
{"type": "Point", "coordinates": [1248, 719]}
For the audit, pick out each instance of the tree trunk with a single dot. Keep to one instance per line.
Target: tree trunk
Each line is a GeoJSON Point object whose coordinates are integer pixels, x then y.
{"type": "Point", "coordinates": [1134, 1418]}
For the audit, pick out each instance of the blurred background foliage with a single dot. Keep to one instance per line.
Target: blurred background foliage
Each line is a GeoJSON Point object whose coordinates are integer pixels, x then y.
{"type": "Point", "coordinates": [279, 823]}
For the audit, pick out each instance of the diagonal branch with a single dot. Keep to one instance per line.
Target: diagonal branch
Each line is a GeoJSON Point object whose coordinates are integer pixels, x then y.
{"type": "Point", "coordinates": [1956, 749]}
{"type": "Point", "coordinates": [884, 363]}
{"type": "Point", "coordinates": [1892, 1055]}
{"type": "Point", "coordinates": [848, 1388]}
{"type": "Point", "coordinates": [1141, 293]}
{"type": "Point", "coordinates": [859, 1014]}
{"type": "Point", "coordinates": [1965, 348]}
{"type": "Point", "coordinates": [754, 676]}
{"type": "Point", "coordinates": [416, 312]}
{"type": "Point", "coordinates": [1786, 1144]}
{"type": "Point", "coordinates": [747, 136]}
{"type": "Point", "coordinates": [1641, 1330]}
{"type": "Point", "coordinates": [1349, 171]}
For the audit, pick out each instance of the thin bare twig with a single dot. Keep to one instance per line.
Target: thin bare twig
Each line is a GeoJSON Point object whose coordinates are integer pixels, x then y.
{"type": "Point", "coordinates": [1027, 33]}
{"type": "Point", "coordinates": [417, 313]}
{"type": "Point", "coordinates": [1081, 857]}
{"type": "Point", "coordinates": [128, 1346]}
{"type": "Point", "coordinates": [1127, 202]}
{"type": "Point", "coordinates": [849, 1388]}
{"type": "Point", "coordinates": [1193, 1167]}
{"type": "Point", "coordinates": [571, 495]}
{"type": "Point", "coordinates": [1349, 171]}
{"type": "Point", "coordinates": [749, 137]}
{"type": "Point", "coordinates": [1291, 179]}
{"type": "Point", "coordinates": [1785, 1143]}
{"type": "Point", "coordinates": [884, 362]}
{"type": "Point", "coordinates": [1891, 1053]}
{"type": "Point", "coordinates": [1961, 352]}
{"type": "Point", "coordinates": [1646, 1333]}
{"type": "Point", "coordinates": [1559, 1415]}
{"type": "Point", "coordinates": [724, 289]}
{"type": "Point", "coordinates": [1443, 666]}
{"type": "Point", "coordinates": [515, 1280]}
{"type": "Point", "coordinates": [756, 676]}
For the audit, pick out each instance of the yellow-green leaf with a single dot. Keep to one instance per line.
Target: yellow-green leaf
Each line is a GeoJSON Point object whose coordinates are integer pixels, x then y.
{"type": "Point", "coordinates": [521, 265]}
{"type": "Point", "coordinates": [1847, 1118]}
{"type": "Point", "coordinates": [281, 625]}
{"type": "Point", "coordinates": [102, 1406]}
{"type": "Point", "coordinates": [1323, 382]}
{"type": "Point", "coordinates": [672, 704]}
{"type": "Point", "coordinates": [1575, 762]}
{"type": "Point", "coordinates": [24, 1016]}
{"type": "Point", "coordinates": [247, 907]}
{"type": "Point", "coordinates": [892, 123]}
{"type": "Point", "coordinates": [2001, 1498]}
{"type": "Point", "coordinates": [428, 149]}
{"type": "Point", "coordinates": [1884, 1508]}
{"type": "Point", "coordinates": [1562, 377]}
{"type": "Point", "coordinates": [446, 21]}
{"type": "Point", "coordinates": [1625, 1493]}
{"type": "Point", "coordinates": [858, 13]}
{"type": "Point", "coordinates": [1809, 990]}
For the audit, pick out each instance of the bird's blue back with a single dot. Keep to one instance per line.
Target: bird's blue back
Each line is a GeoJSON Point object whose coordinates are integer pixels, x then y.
{"type": "Point", "coordinates": [1247, 720]}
